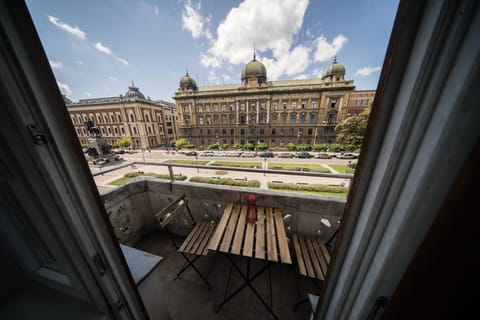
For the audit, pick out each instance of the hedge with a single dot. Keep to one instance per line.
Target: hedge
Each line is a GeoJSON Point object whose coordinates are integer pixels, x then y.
{"type": "Point", "coordinates": [227, 182]}
{"type": "Point", "coordinates": [309, 187]}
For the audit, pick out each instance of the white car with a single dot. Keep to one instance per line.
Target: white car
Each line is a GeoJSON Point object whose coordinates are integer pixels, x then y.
{"type": "Point", "coordinates": [347, 155]}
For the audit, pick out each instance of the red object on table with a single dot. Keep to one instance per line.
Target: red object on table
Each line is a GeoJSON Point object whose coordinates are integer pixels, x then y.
{"type": "Point", "coordinates": [252, 208]}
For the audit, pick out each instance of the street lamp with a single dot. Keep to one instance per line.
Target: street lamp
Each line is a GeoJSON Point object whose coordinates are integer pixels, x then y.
{"type": "Point", "coordinates": [298, 141]}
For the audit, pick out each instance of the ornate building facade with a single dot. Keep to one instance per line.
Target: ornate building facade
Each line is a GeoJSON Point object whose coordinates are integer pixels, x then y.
{"type": "Point", "coordinates": [256, 111]}
{"type": "Point", "coordinates": [148, 123]}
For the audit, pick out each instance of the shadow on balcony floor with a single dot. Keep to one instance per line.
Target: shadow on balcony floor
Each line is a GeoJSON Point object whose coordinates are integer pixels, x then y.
{"type": "Point", "coordinates": [188, 297]}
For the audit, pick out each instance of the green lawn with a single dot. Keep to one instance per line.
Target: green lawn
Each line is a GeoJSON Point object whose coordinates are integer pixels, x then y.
{"type": "Point", "coordinates": [332, 194]}
{"type": "Point", "coordinates": [297, 166]}
{"type": "Point", "coordinates": [132, 175]}
{"type": "Point", "coordinates": [193, 161]}
{"type": "Point", "coordinates": [342, 168]}
{"type": "Point", "coordinates": [227, 181]}
{"type": "Point", "coordinates": [120, 181]}
{"type": "Point", "coordinates": [237, 164]}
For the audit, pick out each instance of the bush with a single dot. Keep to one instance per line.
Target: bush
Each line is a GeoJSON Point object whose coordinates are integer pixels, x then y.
{"type": "Point", "coordinates": [310, 187]}
{"type": "Point", "coordinates": [237, 146]}
{"type": "Point", "coordinates": [304, 147]}
{"type": "Point", "coordinates": [291, 147]}
{"type": "Point", "coordinates": [167, 177]}
{"type": "Point", "coordinates": [320, 147]}
{"type": "Point", "coordinates": [350, 147]}
{"type": "Point", "coordinates": [224, 146]}
{"type": "Point", "coordinates": [189, 146]}
{"type": "Point", "coordinates": [134, 174]}
{"type": "Point", "coordinates": [249, 146]}
{"type": "Point", "coordinates": [213, 146]}
{"type": "Point", "coordinates": [262, 146]}
{"type": "Point", "coordinates": [335, 147]}
{"type": "Point", "coordinates": [227, 181]}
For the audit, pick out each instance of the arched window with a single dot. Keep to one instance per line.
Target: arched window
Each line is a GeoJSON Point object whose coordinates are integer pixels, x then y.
{"type": "Point", "coordinates": [109, 131]}
{"type": "Point", "coordinates": [113, 118]}
{"type": "Point", "coordinates": [123, 130]}
{"type": "Point", "coordinates": [73, 120]}
{"type": "Point", "coordinates": [103, 130]}
{"type": "Point", "coordinates": [134, 130]}
{"type": "Point", "coordinates": [116, 130]}
{"type": "Point", "coordinates": [147, 118]}
{"type": "Point", "coordinates": [99, 119]}
{"type": "Point", "coordinates": [149, 130]}
{"type": "Point", "coordinates": [106, 119]}
{"type": "Point", "coordinates": [119, 118]}
{"type": "Point", "coordinates": [132, 118]}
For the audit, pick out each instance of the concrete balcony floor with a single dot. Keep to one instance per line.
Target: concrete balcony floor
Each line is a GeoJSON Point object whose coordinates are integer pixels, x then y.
{"type": "Point", "coordinates": [189, 298]}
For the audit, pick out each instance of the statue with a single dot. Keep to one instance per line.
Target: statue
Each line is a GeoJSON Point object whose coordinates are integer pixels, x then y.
{"type": "Point", "coordinates": [92, 130]}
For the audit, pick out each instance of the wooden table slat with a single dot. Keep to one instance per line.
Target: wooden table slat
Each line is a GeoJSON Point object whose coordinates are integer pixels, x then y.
{"type": "Point", "coordinates": [260, 234]}
{"type": "Point", "coordinates": [230, 229]}
{"type": "Point", "coordinates": [271, 243]}
{"type": "Point", "coordinates": [316, 256]}
{"type": "Point", "coordinates": [213, 245]}
{"type": "Point", "coordinates": [282, 237]}
{"type": "Point", "coordinates": [240, 231]}
{"type": "Point", "coordinates": [299, 254]}
{"type": "Point", "coordinates": [248, 245]}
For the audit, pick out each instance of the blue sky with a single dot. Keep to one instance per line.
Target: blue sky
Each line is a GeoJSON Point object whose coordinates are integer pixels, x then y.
{"type": "Point", "coordinates": [96, 48]}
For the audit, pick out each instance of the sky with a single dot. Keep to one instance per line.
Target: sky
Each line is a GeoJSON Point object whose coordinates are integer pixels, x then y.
{"type": "Point", "coordinates": [97, 48]}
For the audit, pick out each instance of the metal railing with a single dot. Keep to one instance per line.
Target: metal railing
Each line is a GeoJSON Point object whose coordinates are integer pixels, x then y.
{"type": "Point", "coordinates": [170, 167]}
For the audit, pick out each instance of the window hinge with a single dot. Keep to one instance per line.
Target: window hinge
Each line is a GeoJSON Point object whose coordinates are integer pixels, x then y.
{"type": "Point", "coordinates": [377, 308]}
{"type": "Point", "coordinates": [100, 264]}
{"type": "Point", "coordinates": [37, 134]}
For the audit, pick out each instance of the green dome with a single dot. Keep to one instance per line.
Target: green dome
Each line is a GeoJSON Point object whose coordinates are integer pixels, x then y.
{"type": "Point", "coordinates": [187, 82]}
{"type": "Point", "coordinates": [334, 69]}
{"type": "Point", "coordinates": [254, 69]}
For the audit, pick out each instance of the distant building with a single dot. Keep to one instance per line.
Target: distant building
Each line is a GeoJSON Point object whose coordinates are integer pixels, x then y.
{"type": "Point", "coordinates": [359, 101]}
{"type": "Point", "coordinates": [257, 110]}
{"type": "Point", "coordinates": [149, 123]}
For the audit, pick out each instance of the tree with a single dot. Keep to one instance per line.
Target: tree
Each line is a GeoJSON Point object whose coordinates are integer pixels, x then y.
{"type": "Point", "coordinates": [124, 142]}
{"type": "Point", "coordinates": [249, 146]}
{"type": "Point", "coordinates": [180, 143]}
{"type": "Point", "coordinates": [262, 146]}
{"type": "Point", "coordinates": [352, 130]}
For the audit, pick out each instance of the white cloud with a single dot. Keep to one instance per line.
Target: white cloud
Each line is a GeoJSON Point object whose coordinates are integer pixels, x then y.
{"type": "Point", "coordinates": [301, 76]}
{"type": "Point", "coordinates": [226, 78]}
{"type": "Point", "coordinates": [113, 78]}
{"type": "Point", "coordinates": [269, 25]}
{"type": "Point", "coordinates": [100, 47]}
{"type": "Point", "coordinates": [64, 88]}
{"type": "Point", "coordinates": [318, 73]}
{"type": "Point", "coordinates": [193, 21]}
{"type": "Point", "coordinates": [80, 62]}
{"type": "Point", "coordinates": [367, 71]}
{"type": "Point", "coordinates": [88, 94]}
{"type": "Point", "coordinates": [157, 11]}
{"type": "Point", "coordinates": [55, 64]}
{"type": "Point", "coordinates": [73, 30]}
{"type": "Point", "coordinates": [289, 63]}
{"type": "Point", "coordinates": [103, 49]}
{"type": "Point", "coordinates": [326, 51]}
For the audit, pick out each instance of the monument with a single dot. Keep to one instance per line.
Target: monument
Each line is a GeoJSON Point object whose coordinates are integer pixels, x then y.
{"type": "Point", "coordinates": [98, 150]}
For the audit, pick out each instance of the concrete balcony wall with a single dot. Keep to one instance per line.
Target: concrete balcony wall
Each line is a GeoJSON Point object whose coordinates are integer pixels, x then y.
{"type": "Point", "coordinates": [131, 207]}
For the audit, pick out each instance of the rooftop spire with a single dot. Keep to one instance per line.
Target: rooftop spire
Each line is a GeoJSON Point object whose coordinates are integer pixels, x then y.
{"type": "Point", "coordinates": [186, 68]}
{"type": "Point", "coordinates": [133, 85]}
{"type": "Point", "coordinates": [254, 56]}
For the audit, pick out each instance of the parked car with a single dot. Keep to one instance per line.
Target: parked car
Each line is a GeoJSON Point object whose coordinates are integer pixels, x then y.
{"type": "Point", "coordinates": [206, 154]}
{"type": "Point", "coordinates": [347, 155]}
{"type": "Point", "coordinates": [266, 154]}
{"type": "Point", "coordinates": [248, 155]}
{"type": "Point", "coordinates": [323, 155]}
{"type": "Point", "coordinates": [303, 155]}
{"type": "Point", "coordinates": [285, 155]}
{"type": "Point", "coordinates": [191, 153]}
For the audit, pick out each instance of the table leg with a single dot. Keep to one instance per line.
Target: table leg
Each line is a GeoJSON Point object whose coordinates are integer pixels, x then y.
{"type": "Point", "coordinates": [248, 283]}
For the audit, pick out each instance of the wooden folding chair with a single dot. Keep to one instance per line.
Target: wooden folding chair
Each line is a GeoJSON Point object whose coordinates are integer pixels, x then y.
{"type": "Point", "coordinates": [196, 243]}
{"type": "Point", "coordinates": [313, 258]}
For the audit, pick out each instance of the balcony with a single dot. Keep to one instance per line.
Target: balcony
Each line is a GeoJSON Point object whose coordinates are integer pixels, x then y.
{"type": "Point", "coordinates": [132, 207]}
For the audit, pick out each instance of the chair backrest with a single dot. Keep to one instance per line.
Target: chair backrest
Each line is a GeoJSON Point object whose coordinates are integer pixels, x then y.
{"type": "Point", "coordinates": [171, 211]}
